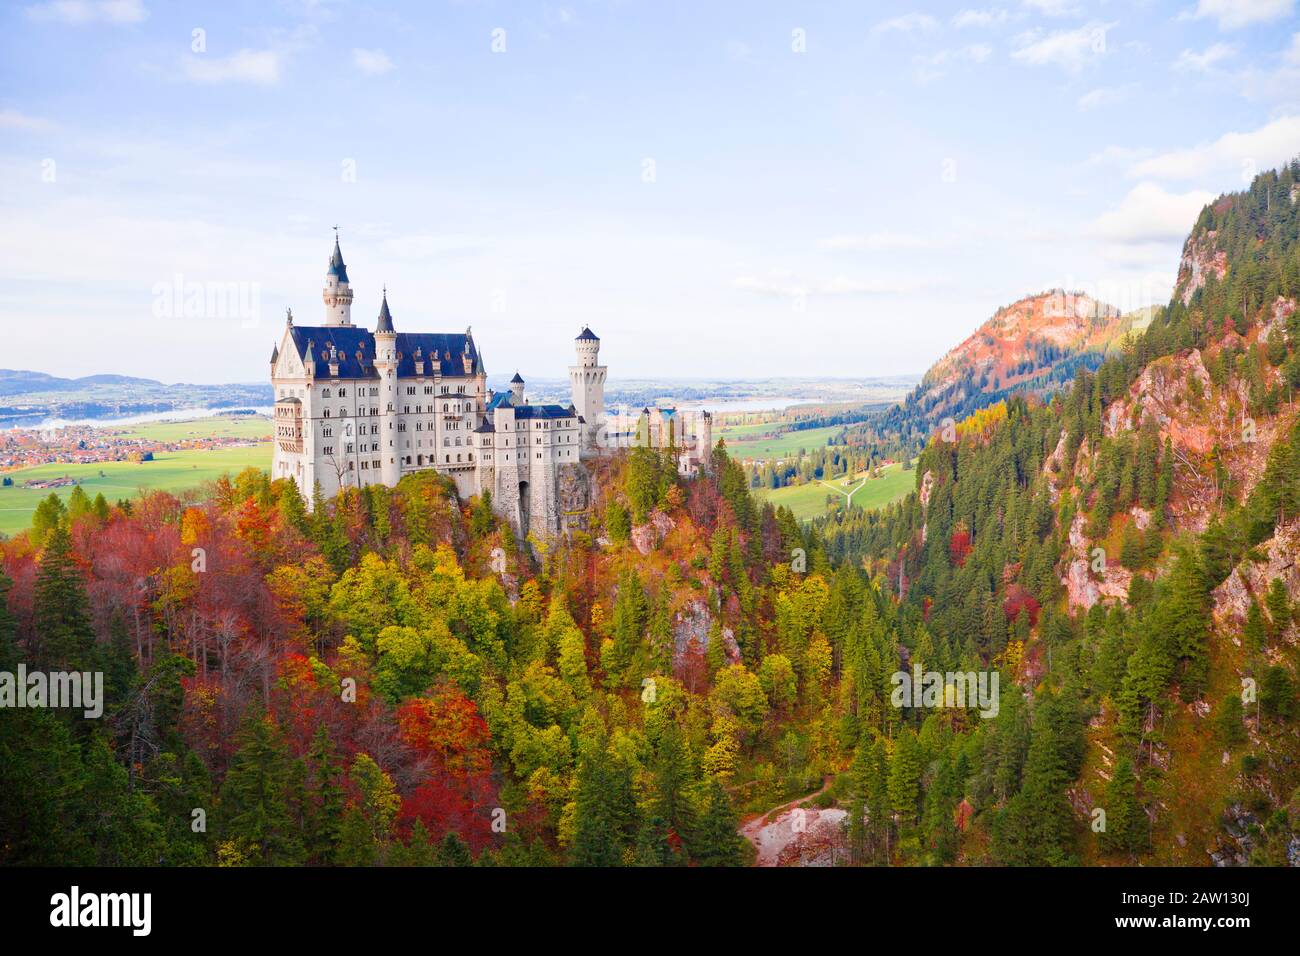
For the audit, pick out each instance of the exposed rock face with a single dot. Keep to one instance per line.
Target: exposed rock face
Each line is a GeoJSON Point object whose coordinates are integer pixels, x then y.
{"type": "Point", "coordinates": [1282, 310]}
{"type": "Point", "coordinates": [692, 625]}
{"type": "Point", "coordinates": [927, 486]}
{"type": "Point", "coordinates": [1161, 393]}
{"type": "Point", "coordinates": [1232, 597]}
{"type": "Point", "coordinates": [1082, 588]}
{"type": "Point", "coordinates": [1197, 427]}
{"type": "Point", "coordinates": [803, 836]}
{"type": "Point", "coordinates": [1200, 259]}
{"type": "Point", "coordinates": [646, 537]}
{"type": "Point", "coordinates": [573, 488]}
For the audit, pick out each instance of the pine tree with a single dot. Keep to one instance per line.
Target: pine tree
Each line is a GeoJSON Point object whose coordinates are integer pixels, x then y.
{"type": "Point", "coordinates": [452, 851]}
{"type": "Point", "coordinates": [323, 807]}
{"type": "Point", "coordinates": [65, 639]}
{"type": "Point", "coordinates": [717, 842]}
{"type": "Point", "coordinates": [255, 796]}
{"type": "Point", "coordinates": [1126, 830]}
{"type": "Point", "coordinates": [905, 777]}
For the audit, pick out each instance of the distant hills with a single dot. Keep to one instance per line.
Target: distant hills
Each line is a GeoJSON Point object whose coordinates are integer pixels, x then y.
{"type": "Point", "coordinates": [1036, 344]}
{"type": "Point", "coordinates": [30, 398]}
{"type": "Point", "coordinates": [15, 381]}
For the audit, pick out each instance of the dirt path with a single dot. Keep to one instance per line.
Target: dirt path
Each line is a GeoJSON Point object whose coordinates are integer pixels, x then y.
{"type": "Point", "coordinates": [753, 829]}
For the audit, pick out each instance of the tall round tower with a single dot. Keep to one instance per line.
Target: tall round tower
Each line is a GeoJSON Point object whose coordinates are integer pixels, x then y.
{"type": "Point", "coordinates": [337, 292]}
{"type": "Point", "coordinates": [587, 380]}
{"type": "Point", "coordinates": [386, 366]}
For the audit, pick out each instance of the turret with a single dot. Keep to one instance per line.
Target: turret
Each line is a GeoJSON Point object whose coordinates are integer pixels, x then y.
{"type": "Point", "coordinates": [386, 367]}
{"type": "Point", "coordinates": [517, 390]}
{"type": "Point", "coordinates": [587, 381]}
{"type": "Point", "coordinates": [337, 293]}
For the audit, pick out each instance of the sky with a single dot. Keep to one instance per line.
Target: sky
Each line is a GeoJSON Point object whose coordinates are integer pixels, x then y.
{"type": "Point", "coordinates": [720, 190]}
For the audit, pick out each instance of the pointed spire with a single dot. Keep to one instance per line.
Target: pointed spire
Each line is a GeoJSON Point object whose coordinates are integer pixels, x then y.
{"type": "Point", "coordinates": [385, 317]}
{"type": "Point", "coordinates": [275, 353]}
{"type": "Point", "coordinates": [336, 266]}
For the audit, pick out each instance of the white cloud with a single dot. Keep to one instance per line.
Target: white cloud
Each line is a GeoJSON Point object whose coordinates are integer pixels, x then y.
{"type": "Point", "coordinates": [1292, 53]}
{"type": "Point", "coordinates": [1118, 156]}
{"type": "Point", "coordinates": [874, 242]}
{"type": "Point", "coordinates": [12, 119]}
{"type": "Point", "coordinates": [261, 67]}
{"type": "Point", "coordinates": [1234, 14]}
{"type": "Point", "coordinates": [930, 66]}
{"type": "Point", "coordinates": [1149, 213]}
{"type": "Point", "coordinates": [907, 23]}
{"type": "Point", "coordinates": [1206, 60]}
{"type": "Point", "coordinates": [783, 284]}
{"type": "Point", "coordinates": [1104, 96]}
{"type": "Point", "coordinates": [979, 18]}
{"type": "Point", "coordinates": [1239, 155]}
{"type": "Point", "coordinates": [89, 11]}
{"type": "Point", "coordinates": [1071, 50]}
{"type": "Point", "coordinates": [371, 61]}
{"type": "Point", "coordinates": [1053, 8]}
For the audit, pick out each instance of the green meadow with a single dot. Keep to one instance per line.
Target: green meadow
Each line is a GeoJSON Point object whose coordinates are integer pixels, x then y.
{"type": "Point", "coordinates": [743, 441]}
{"type": "Point", "coordinates": [250, 427]}
{"type": "Point", "coordinates": [173, 471]}
{"type": "Point", "coordinates": [810, 501]}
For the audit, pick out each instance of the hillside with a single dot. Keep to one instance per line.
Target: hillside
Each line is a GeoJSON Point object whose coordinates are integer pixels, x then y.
{"type": "Point", "coordinates": [1033, 346]}
{"type": "Point", "coordinates": [1130, 546]}
{"type": "Point", "coordinates": [1094, 595]}
{"type": "Point", "coordinates": [1021, 347]}
{"type": "Point", "coordinates": [21, 382]}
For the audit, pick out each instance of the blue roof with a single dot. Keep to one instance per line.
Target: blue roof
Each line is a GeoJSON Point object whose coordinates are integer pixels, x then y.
{"type": "Point", "coordinates": [385, 323]}
{"type": "Point", "coordinates": [356, 349]}
{"type": "Point", "coordinates": [336, 266]}
{"type": "Point", "coordinates": [545, 411]}
{"type": "Point", "coordinates": [587, 335]}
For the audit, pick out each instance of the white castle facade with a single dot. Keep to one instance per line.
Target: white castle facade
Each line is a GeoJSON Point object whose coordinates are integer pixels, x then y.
{"type": "Point", "coordinates": [355, 408]}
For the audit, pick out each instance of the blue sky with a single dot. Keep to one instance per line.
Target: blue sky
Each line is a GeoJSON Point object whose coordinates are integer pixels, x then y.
{"type": "Point", "coordinates": [718, 189]}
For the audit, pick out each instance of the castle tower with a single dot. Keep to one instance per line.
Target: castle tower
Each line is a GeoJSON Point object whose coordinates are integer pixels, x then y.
{"type": "Point", "coordinates": [337, 292]}
{"type": "Point", "coordinates": [587, 380]}
{"type": "Point", "coordinates": [517, 390]}
{"type": "Point", "coordinates": [386, 366]}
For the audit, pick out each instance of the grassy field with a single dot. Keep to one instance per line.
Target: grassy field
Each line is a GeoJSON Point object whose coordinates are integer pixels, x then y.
{"type": "Point", "coordinates": [170, 470]}
{"type": "Point", "coordinates": [780, 447]}
{"type": "Point", "coordinates": [232, 426]}
{"type": "Point", "coordinates": [809, 501]}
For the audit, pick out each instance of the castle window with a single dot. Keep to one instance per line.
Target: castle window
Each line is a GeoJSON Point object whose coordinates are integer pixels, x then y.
{"type": "Point", "coordinates": [325, 393]}
{"type": "Point", "coordinates": [325, 413]}
{"type": "Point", "coordinates": [343, 393]}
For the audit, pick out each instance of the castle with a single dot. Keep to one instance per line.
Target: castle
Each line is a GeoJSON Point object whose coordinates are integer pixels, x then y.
{"type": "Point", "coordinates": [356, 408]}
